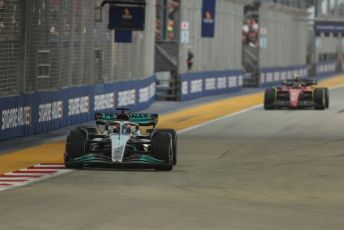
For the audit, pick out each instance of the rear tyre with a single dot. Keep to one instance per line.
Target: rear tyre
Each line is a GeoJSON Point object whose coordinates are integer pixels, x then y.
{"type": "Point", "coordinates": [269, 98]}
{"type": "Point", "coordinates": [174, 142]}
{"type": "Point", "coordinates": [320, 98]}
{"type": "Point", "coordinates": [75, 147]}
{"type": "Point", "coordinates": [162, 150]}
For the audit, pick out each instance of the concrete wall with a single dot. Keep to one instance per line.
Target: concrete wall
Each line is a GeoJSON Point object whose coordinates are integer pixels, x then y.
{"type": "Point", "coordinates": [223, 52]}
{"type": "Point", "coordinates": [286, 36]}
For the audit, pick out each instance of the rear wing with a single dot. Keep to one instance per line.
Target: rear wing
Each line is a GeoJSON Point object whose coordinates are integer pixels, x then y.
{"type": "Point", "coordinates": [143, 119]}
{"type": "Point", "coordinates": [303, 81]}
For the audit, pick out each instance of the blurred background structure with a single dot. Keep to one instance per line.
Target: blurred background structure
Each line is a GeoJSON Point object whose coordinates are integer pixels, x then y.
{"type": "Point", "coordinates": [52, 44]}
{"type": "Point", "coordinates": [189, 49]}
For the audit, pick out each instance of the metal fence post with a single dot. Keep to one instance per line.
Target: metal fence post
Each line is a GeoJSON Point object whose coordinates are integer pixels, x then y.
{"type": "Point", "coordinates": [25, 46]}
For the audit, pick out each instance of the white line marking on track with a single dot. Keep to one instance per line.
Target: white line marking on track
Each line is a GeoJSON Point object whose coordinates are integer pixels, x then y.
{"type": "Point", "coordinates": [220, 118]}
{"type": "Point", "coordinates": [31, 175]}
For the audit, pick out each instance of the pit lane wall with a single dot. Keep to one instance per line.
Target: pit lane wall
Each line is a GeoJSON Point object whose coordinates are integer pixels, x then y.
{"type": "Point", "coordinates": [209, 83]}
{"type": "Point", "coordinates": [274, 75]}
{"type": "Point", "coordinates": [326, 68]}
{"type": "Point", "coordinates": [40, 112]}
{"type": "Point", "coordinates": [200, 84]}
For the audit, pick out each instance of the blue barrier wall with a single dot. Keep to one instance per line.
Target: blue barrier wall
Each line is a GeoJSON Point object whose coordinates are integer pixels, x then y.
{"type": "Point", "coordinates": [200, 84]}
{"type": "Point", "coordinates": [326, 68]}
{"type": "Point", "coordinates": [273, 75]}
{"type": "Point", "coordinates": [39, 112]}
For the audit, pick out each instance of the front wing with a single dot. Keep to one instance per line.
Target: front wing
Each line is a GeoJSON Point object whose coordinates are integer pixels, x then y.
{"type": "Point", "coordinates": [300, 104]}
{"type": "Point", "coordinates": [135, 160]}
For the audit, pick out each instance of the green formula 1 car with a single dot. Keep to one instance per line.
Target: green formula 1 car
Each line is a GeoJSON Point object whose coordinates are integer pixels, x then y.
{"type": "Point", "coordinates": [117, 141]}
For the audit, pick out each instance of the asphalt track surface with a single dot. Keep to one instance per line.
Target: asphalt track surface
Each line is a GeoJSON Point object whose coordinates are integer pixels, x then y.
{"type": "Point", "coordinates": [257, 170]}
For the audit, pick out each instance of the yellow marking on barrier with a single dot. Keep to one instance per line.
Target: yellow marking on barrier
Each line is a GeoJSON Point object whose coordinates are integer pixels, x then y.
{"type": "Point", "coordinates": [53, 152]}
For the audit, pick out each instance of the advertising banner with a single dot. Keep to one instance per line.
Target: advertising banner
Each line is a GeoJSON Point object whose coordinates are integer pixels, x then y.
{"type": "Point", "coordinates": [123, 36]}
{"type": "Point", "coordinates": [208, 18]}
{"type": "Point", "coordinates": [200, 84]}
{"type": "Point", "coordinates": [40, 112]}
{"type": "Point", "coordinates": [126, 17]}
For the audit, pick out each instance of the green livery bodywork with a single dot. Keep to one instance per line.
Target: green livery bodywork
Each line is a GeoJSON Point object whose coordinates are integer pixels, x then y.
{"type": "Point", "coordinates": [142, 119]}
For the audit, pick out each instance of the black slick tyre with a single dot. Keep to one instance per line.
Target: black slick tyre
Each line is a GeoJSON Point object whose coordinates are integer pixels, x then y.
{"type": "Point", "coordinates": [75, 147]}
{"type": "Point", "coordinates": [269, 98]}
{"type": "Point", "coordinates": [174, 142]}
{"type": "Point", "coordinates": [327, 98]}
{"type": "Point", "coordinates": [162, 150]}
{"type": "Point", "coordinates": [320, 98]}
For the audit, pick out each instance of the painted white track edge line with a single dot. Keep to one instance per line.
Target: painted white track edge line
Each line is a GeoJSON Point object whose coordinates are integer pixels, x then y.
{"type": "Point", "coordinates": [219, 118]}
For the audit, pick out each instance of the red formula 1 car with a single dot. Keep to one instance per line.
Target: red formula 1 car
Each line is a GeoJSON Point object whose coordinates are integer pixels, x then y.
{"type": "Point", "coordinates": [297, 93]}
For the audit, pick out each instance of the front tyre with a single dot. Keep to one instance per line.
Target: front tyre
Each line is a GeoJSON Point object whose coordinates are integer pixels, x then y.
{"type": "Point", "coordinates": [163, 150]}
{"type": "Point", "coordinates": [75, 147]}
{"type": "Point", "coordinates": [174, 141]}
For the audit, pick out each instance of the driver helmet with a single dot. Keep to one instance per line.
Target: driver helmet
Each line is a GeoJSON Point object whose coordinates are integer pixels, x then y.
{"type": "Point", "coordinates": [115, 128]}
{"type": "Point", "coordinates": [297, 77]}
{"type": "Point", "coordinates": [127, 128]}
